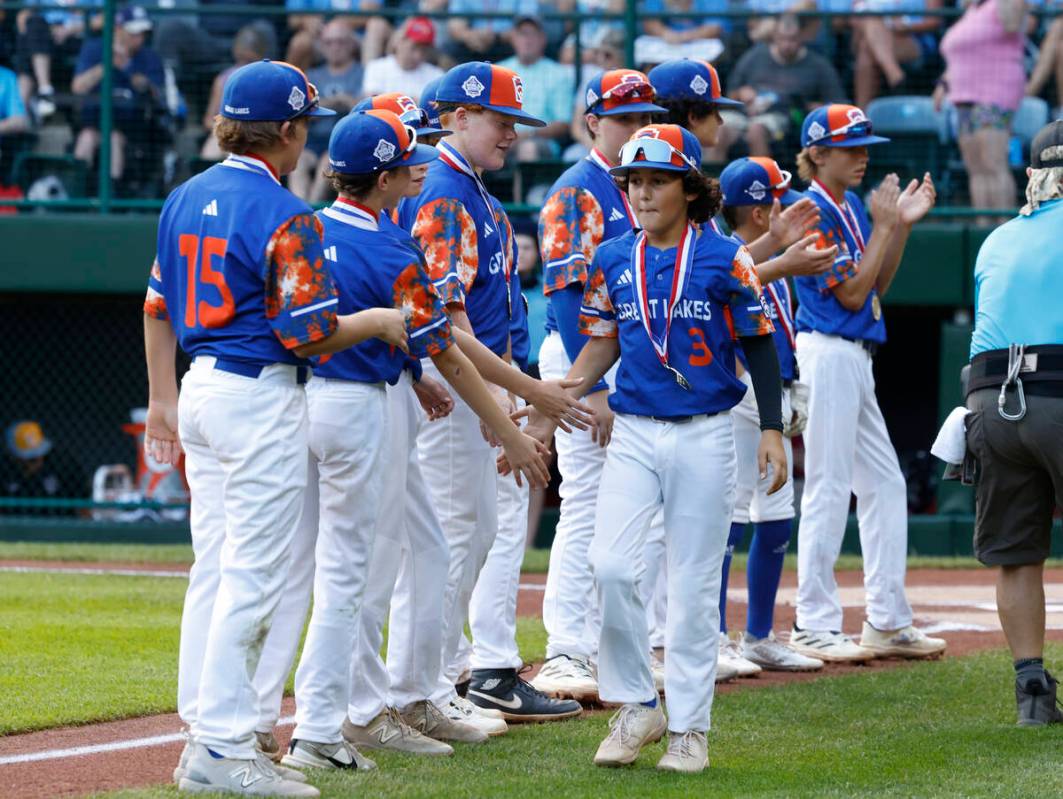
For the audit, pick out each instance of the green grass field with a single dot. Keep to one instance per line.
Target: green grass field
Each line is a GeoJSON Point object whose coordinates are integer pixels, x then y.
{"type": "Point", "coordinates": [535, 560]}
{"type": "Point", "coordinates": [935, 729]}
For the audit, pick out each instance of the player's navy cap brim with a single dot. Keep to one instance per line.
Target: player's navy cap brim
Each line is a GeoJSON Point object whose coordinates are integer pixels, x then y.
{"type": "Point", "coordinates": [788, 198]}
{"type": "Point", "coordinates": [632, 108]}
{"type": "Point", "coordinates": [727, 102]}
{"type": "Point", "coordinates": [662, 165]}
{"type": "Point", "coordinates": [318, 111]}
{"type": "Point", "coordinates": [523, 117]}
{"type": "Point", "coordinates": [422, 154]}
{"type": "Point", "coordinates": [859, 141]}
{"type": "Point", "coordinates": [430, 131]}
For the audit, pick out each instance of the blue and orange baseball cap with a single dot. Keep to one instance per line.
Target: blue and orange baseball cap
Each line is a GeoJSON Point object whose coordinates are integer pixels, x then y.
{"type": "Point", "coordinates": [756, 181]}
{"type": "Point", "coordinates": [621, 91]}
{"type": "Point", "coordinates": [270, 91]}
{"type": "Point", "coordinates": [404, 107]}
{"type": "Point", "coordinates": [488, 86]}
{"type": "Point", "coordinates": [26, 440]}
{"type": "Point", "coordinates": [838, 125]}
{"type": "Point", "coordinates": [364, 142]}
{"type": "Point", "coordinates": [689, 79]}
{"type": "Point", "coordinates": [667, 147]}
{"type": "Point", "coordinates": [428, 101]}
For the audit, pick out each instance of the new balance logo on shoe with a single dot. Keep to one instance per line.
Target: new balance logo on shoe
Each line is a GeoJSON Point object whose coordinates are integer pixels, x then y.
{"type": "Point", "coordinates": [616, 216]}
{"type": "Point", "coordinates": [330, 254]}
{"type": "Point", "coordinates": [248, 776]}
{"type": "Point", "coordinates": [211, 208]}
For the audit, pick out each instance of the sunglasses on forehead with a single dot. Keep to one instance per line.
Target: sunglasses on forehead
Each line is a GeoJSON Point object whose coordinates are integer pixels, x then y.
{"type": "Point", "coordinates": [655, 150]}
{"type": "Point", "coordinates": [628, 92]}
{"type": "Point", "coordinates": [416, 117]}
{"type": "Point", "coordinates": [860, 128]}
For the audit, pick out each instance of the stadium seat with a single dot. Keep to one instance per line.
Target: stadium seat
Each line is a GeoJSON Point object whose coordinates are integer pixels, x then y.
{"type": "Point", "coordinates": [71, 173]}
{"type": "Point", "coordinates": [919, 135]}
{"type": "Point", "coordinates": [1032, 115]}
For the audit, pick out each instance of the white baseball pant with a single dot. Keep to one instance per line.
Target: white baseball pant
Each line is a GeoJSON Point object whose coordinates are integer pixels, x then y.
{"type": "Point", "coordinates": [752, 501]}
{"type": "Point", "coordinates": [655, 583]}
{"type": "Point", "coordinates": [459, 468]}
{"type": "Point", "coordinates": [569, 604]}
{"type": "Point", "coordinates": [689, 468]}
{"type": "Point", "coordinates": [407, 573]}
{"type": "Point", "coordinates": [493, 606]}
{"type": "Point", "coordinates": [245, 459]}
{"type": "Point", "coordinates": [348, 424]}
{"type": "Point", "coordinates": [848, 451]}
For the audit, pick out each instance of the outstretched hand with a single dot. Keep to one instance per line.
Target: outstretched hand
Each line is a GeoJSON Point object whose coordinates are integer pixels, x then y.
{"type": "Point", "coordinates": [916, 200]}
{"type": "Point", "coordinates": [789, 225]}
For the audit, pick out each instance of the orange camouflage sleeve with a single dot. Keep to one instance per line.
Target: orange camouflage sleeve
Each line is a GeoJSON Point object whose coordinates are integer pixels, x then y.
{"type": "Point", "coordinates": [596, 315]}
{"type": "Point", "coordinates": [746, 307]}
{"type": "Point", "coordinates": [427, 323]}
{"type": "Point", "coordinates": [844, 267]}
{"type": "Point", "coordinates": [155, 300]}
{"type": "Point", "coordinates": [447, 234]}
{"type": "Point", "coordinates": [301, 298]}
{"type": "Point", "coordinates": [571, 227]}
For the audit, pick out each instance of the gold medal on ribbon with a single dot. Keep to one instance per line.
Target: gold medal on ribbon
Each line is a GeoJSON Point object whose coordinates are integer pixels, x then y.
{"type": "Point", "coordinates": [876, 307]}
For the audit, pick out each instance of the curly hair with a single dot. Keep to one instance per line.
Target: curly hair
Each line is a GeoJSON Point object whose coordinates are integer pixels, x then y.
{"type": "Point", "coordinates": [704, 206]}
{"type": "Point", "coordinates": [680, 111]}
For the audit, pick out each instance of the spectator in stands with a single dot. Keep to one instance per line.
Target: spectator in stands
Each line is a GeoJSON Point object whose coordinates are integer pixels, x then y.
{"type": "Point", "coordinates": [196, 47]}
{"type": "Point", "coordinates": [667, 38]}
{"type": "Point", "coordinates": [777, 82]}
{"type": "Point", "coordinates": [474, 39]}
{"type": "Point", "coordinates": [44, 39]}
{"type": "Point", "coordinates": [306, 20]}
{"type": "Point", "coordinates": [380, 32]}
{"type": "Point", "coordinates": [32, 469]}
{"type": "Point", "coordinates": [339, 85]}
{"type": "Point", "coordinates": [1049, 64]}
{"type": "Point", "coordinates": [138, 85]}
{"type": "Point", "coordinates": [985, 79]}
{"type": "Point", "coordinates": [408, 69]}
{"type": "Point", "coordinates": [547, 91]}
{"type": "Point", "coordinates": [248, 46]}
{"type": "Point", "coordinates": [762, 28]}
{"type": "Point", "coordinates": [607, 53]}
{"type": "Point", "coordinates": [884, 46]}
{"type": "Point", "coordinates": [13, 117]}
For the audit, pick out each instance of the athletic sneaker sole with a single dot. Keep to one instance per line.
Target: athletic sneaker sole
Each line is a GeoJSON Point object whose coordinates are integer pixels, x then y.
{"type": "Point", "coordinates": [903, 652]}
{"type": "Point", "coordinates": [541, 718]}
{"type": "Point", "coordinates": [828, 657]}
{"type": "Point", "coordinates": [192, 786]}
{"type": "Point", "coordinates": [567, 693]}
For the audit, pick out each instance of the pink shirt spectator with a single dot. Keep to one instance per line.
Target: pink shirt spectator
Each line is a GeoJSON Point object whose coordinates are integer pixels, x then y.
{"type": "Point", "coordinates": [984, 61]}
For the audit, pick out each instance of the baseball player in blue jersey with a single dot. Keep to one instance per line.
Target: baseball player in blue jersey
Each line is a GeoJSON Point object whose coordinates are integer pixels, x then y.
{"type": "Point", "coordinates": [466, 240]}
{"type": "Point", "coordinates": [750, 188]}
{"type": "Point", "coordinates": [240, 284]}
{"type": "Point", "coordinates": [669, 301]}
{"type": "Point", "coordinates": [583, 209]}
{"type": "Point", "coordinates": [847, 447]}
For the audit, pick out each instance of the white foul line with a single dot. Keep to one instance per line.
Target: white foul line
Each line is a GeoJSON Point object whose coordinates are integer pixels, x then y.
{"type": "Point", "coordinates": [107, 572]}
{"type": "Point", "coordinates": [114, 746]}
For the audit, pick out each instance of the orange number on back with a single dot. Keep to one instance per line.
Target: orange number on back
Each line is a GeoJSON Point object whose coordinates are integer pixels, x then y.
{"type": "Point", "coordinates": [199, 269]}
{"type": "Point", "coordinates": [701, 355]}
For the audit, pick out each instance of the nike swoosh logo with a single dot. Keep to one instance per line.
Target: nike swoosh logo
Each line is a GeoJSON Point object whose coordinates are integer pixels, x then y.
{"type": "Point", "coordinates": [513, 704]}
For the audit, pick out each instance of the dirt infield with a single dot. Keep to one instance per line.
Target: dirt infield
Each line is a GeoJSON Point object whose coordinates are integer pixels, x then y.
{"type": "Point", "coordinates": [956, 604]}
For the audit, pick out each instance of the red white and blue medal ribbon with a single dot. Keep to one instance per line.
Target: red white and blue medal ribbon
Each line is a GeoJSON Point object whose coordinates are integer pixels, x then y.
{"type": "Point", "coordinates": [684, 261]}
{"type": "Point", "coordinates": [597, 158]}
{"type": "Point", "coordinates": [845, 214]}
{"type": "Point", "coordinates": [455, 160]}
{"type": "Point", "coordinates": [783, 308]}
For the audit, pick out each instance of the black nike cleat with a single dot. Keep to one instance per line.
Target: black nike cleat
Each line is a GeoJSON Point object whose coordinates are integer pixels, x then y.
{"type": "Point", "coordinates": [1037, 702]}
{"type": "Point", "coordinates": [517, 700]}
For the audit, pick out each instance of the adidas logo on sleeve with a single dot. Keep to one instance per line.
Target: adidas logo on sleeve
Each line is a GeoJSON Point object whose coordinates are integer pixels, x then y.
{"type": "Point", "coordinates": [617, 215]}
{"type": "Point", "coordinates": [331, 255]}
{"type": "Point", "coordinates": [211, 208]}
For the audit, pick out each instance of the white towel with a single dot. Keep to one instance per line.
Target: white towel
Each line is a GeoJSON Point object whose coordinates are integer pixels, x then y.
{"type": "Point", "coordinates": [951, 443]}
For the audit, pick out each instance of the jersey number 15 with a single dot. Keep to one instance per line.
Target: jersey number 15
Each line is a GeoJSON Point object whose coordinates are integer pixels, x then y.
{"type": "Point", "coordinates": [198, 255]}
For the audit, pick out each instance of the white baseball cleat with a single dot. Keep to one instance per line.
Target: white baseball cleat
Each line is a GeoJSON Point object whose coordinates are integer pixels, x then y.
{"type": "Point", "coordinates": [725, 670]}
{"type": "Point", "coordinates": [311, 754]}
{"type": "Point", "coordinates": [731, 653]}
{"type": "Point", "coordinates": [830, 646]}
{"type": "Point", "coordinates": [567, 677]}
{"type": "Point", "coordinates": [688, 753]}
{"type": "Point", "coordinates": [772, 654]}
{"type": "Point", "coordinates": [657, 668]}
{"type": "Point", "coordinates": [630, 729]}
{"type": "Point", "coordinates": [284, 772]}
{"type": "Point", "coordinates": [907, 642]}
{"type": "Point", "coordinates": [461, 709]}
{"type": "Point", "coordinates": [206, 772]}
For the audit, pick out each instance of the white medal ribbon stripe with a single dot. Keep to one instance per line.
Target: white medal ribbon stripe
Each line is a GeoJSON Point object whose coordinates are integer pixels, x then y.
{"type": "Point", "coordinates": [455, 160]}
{"type": "Point", "coordinates": [250, 164]}
{"type": "Point", "coordinates": [845, 214]}
{"type": "Point", "coordinates": [683, 262]}
{"type": "Point", "coordinates": [598, 159]}
{"type": "Point", "coordinates": [352, 215]}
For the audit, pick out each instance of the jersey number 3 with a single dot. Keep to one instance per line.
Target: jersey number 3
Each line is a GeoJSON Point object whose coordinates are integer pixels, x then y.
{"type": "Point", "coordinates": [198, 255]}
{"type": "Point", "coordinates": [700, 354]}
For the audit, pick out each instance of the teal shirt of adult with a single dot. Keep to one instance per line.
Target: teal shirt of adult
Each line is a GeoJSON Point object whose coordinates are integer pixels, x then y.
{"type": "Point", "coordinates": [1018, 279]}
{"type": "Point", "coordinates": [548, 88]}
